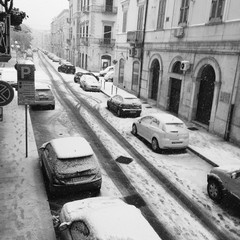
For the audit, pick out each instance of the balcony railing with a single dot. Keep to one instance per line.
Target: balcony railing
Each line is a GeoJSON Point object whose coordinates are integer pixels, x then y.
{"type": "Point", "coordinates": [135, 37]}
{"type": "Point", "coordinates": [108, 9]}
{"type": "Point", "coordinates": [102, 42]}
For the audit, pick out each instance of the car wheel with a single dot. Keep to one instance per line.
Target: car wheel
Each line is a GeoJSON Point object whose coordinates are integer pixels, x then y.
{"type": "Point", "coordinates": [53, 107]}
{"type": "Point", "coordinates": [155, 146]}
{"type": "Point", "coordinates": [75, 80]}
{"type": "Point", "coordinates": [214, 190]}
{"type": "Point", "coordinates": [134, 129]}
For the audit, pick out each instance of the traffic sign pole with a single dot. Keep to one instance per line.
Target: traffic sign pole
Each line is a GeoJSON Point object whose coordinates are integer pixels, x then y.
{"type": "Point", "coordinates": [26, 133]}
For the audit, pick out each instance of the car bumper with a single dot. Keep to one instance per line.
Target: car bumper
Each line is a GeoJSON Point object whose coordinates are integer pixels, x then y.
{"type": "Point", "coordinates": [43, 103]}
{"type": "Point", "coordinates": [132, 111]}
{"type": "Point", "coordinates": [79, 186]}
{"type": "Point", "coordinates": [96, 89]}
{"type": "Point", "coordinates": [174, 144]}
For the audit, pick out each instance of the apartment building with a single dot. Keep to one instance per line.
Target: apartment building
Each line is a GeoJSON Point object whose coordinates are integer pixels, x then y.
{"type": "Point", "coordinates": [92, 33]}
{"type": "Point", "coordinates": [60, 35]}
{"type": "Point", "coordinates": [183, 56]}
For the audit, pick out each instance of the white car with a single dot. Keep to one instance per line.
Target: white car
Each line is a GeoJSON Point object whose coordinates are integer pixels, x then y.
{"type": "Point", "coordinates": [162, 130]}
{"type": "Point", "coordinates": [109, 76]}
{"type": "Point", "coordinates": [89, 83]}
{"type": "Point", "coordinates": [103, 218]}
{"type": "Point", "coordinates": [106, 70]}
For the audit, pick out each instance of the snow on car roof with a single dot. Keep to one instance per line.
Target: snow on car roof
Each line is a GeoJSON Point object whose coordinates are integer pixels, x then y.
{"type": "Point", "coordinates": [166, 118]}
{"type": "Point", "coordinates": [110, 218]}
{"type": "Point", "coordinates": [71, 147]}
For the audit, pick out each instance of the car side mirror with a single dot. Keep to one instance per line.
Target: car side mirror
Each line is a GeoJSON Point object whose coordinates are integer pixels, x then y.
{"type": "Point", "coordinates": [63, 226]}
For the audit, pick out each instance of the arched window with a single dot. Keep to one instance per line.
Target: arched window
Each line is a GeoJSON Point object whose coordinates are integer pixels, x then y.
{"type": "Point", "coordinates": [135, 76]}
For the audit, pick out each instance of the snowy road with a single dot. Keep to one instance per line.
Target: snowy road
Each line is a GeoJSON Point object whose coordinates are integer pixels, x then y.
{"type": "Point", "coordinates": [185, 170]}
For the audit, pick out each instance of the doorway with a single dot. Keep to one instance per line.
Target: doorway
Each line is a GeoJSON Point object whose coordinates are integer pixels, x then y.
{"type": "Point", "coordinates": [205, 95]}
{"type": "Point", "coordinates": [154, 81]}
{"type": "Point", "coordinates": [175, 95]}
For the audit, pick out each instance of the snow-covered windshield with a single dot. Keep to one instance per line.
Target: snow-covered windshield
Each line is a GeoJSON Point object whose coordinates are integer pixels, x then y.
{"type": "Point", "coordinates": [170, 127]}
{"type": "Point", "coordinates": [130, 100]}
{"type": "Point", "coordinates": [72, 165]}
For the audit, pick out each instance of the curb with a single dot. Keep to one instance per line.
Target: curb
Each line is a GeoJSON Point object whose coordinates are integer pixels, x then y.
{"type": "Point", "coordinates": [202, 157]}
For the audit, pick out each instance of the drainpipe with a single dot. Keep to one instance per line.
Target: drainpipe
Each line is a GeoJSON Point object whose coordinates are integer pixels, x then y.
{"type": "Point", "coordinates": [232, 103]}
{"type": "Point", "coordinates": [142, 52]}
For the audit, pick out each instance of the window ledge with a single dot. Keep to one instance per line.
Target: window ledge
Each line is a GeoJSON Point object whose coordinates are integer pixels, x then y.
{"type": "Point", "coordinates": [215, 21]}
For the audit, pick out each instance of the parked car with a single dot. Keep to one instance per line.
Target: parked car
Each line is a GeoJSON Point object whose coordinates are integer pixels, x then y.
{"type": "Point", "coordinates": [103, 218]}
{"type": "Point", "coordinates": [90, 83]}
{"type": "Point", "coordinates": [109, 76]}
{"type": "Point", "coordinates": [67, 68]}
{"type": "Point", "coordinates": [69, 164]}
{"type": "Point", "coordinates": [162, 130]}
{"type": "Point", "coordinates": [44, 97]}
{"type": "Point", "coordinates": [223, 180]}
{"type": "Point", "coordinates": [79, 74]}
{"type": "Point", "coordinates": [106, 70]}
{"type": "Point", "coordinates": [127, 104]}
{"type": "Point", "coordinates": [55, 58]}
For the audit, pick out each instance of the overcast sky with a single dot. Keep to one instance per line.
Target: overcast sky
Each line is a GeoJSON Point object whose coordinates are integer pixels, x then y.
{"type": "Point", "coordinates": [40, 12]}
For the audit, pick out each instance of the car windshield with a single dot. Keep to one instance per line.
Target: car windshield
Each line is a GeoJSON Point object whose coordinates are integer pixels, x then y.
{"type": "Point", "coordinates": [169, 127]}
{"type": "Point", "coordinates": [72, 165]}
{"type": "Point", "coordinates": [131, 100]}
{"type": "Point", "coordinates": [43, 92]}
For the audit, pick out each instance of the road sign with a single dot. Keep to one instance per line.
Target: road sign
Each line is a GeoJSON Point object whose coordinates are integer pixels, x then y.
{"type": "Point", "coordinates": [26, 87]}
{"type": "Point", "coordinates": [6, 93]}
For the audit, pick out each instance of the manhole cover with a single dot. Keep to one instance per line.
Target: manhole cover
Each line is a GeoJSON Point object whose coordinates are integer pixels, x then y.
{"type": "Point", "coordinates": [124, 160]}
{"type": "Point", "coordinates": [193, 128]}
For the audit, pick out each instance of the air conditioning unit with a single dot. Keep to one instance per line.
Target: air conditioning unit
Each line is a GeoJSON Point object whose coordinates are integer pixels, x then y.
{"type": "Point", "coordinates": [134, 52]}
{"type": "Point", "coordinates": [185, 65]}
{"type": "Point", "coordinates": [179, 32]}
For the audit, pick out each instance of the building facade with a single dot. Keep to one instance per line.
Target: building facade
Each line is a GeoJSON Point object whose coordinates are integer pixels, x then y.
{"type": "Point", "coordinates": [60, 35]}
{"type": "Point", "coordinates": [182, 61]}
{"type": "Point", "coordinates": [92, 33]}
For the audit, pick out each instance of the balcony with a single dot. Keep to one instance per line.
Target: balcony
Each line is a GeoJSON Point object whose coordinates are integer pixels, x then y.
{"type": "Point", "coordinates": [86, 9]}
{"type": "Point", "coordinates": [135, 37]}
{"type": "Point", "coordinates": [106, 9]}
{"type": "Point", "coordinates": [106, 42]}
{"type": "Point", "coordinates": [102, 42]}
{"type": "Point", "coordinates": [5, 54]}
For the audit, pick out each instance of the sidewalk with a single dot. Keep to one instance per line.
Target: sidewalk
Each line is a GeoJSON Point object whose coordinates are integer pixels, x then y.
{"type": "Point", "coordinates": [24, 209]}
{"type": "Point", "coordinates": [209, 147]}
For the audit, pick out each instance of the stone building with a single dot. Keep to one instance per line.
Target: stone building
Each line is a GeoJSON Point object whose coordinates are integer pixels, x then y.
{"type": "Point", "coordinates": [92, 33]}
{"type": "Point", "coordinates": [60, 35]}
{"type": "Point", "coordinates": [183, 56]}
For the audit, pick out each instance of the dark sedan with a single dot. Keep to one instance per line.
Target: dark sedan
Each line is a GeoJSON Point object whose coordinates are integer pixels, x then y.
{"type": "Point", "coordinates": [67, 68]}
{"type": "Point", "coordinates": [69, 164]}
{"type": "Point", "coordinates": [125, 105]}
